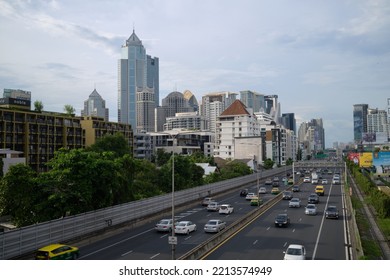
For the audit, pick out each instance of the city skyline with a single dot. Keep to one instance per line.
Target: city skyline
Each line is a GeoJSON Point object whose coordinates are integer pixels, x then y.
{"type": "Point", "coordinates": [320, 58]}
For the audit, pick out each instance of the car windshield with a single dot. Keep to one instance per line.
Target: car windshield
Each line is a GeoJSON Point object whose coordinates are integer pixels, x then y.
{"type": "Point", "coordinates": [294, 251]}
{"type": "Point", "coordinates": [212, 222]}
{"type": "Point", "coordinates": [164, 222]}
{"type": "Point", "coordinates": [310, 206]}
{"type": "Point", "coordinates": [182, 224]}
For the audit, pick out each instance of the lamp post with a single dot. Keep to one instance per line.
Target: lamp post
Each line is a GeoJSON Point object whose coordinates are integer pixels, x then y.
{"type": "Point", "coordinates": [173, 238]}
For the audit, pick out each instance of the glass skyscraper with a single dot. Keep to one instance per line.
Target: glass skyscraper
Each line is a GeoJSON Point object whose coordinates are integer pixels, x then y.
{"type": "Point", "coordinates": [138, 75]}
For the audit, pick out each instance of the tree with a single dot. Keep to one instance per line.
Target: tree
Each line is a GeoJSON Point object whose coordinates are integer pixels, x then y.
{"type": "Point", "coordinates": [268, 163]}
{"type": "Point", "coordinates": [19, 195]}
{"type": "Point", "coordinates": [111, 143]}
{"type": "Point", "coordinates": [69, 110]}
{"type": "Point", "coordinates": [38, 105]}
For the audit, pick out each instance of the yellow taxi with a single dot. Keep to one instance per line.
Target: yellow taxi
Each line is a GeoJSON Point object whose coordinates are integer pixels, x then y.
{"type": "Point", "coordinates": [57, 252]}
{"type": "Point", "coordinates": [320, 190]}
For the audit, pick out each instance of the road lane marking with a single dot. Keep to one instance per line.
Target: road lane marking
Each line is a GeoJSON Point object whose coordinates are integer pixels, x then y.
{"type": "Point", "coordinates": [114, 244]}
{"type": "Point", "coordinates": [254, 243]}
{"type": "Point", "coordinates": [268, 228]}
{"type": "Point", "coordinates": [285, 244]}
{"type": "Point", "coordinates": [152, 257]}
{"type": "Point", "coordinates": [129, 252]}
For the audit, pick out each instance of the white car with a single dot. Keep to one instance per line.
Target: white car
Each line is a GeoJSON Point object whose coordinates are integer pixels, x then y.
{"type": "Point", "coordinates": [185, 227]}
{"type": "Point", "coordinates": [214, 226]}
{"type": "Point", "coordinates": [295, 202]}
{"type": "Point", "coordinates": [213, 206]}
{"type": "Point", "coordinates": [207, 200]}
{"type": "Point", "coordinates": [164, 225]}
{"type": "Point", "coordinates": [311, 209]}
{"type": "Point", "coordinates": [262, 190]}
{"type": "Point", "coordinates": [250, 196]}
{"type": "Point", "coordinates": [306, 180]}
{"type": "Point", "coordinates": [226, 209]}
{"type": "Point", "coordinates": [295, 252]}
{"type": "Point", "coordinates": [324, 181]}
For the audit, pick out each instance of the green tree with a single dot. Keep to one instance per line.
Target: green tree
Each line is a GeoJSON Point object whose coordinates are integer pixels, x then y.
{"type": "Point", "coordinates": [69, 110]}
{"type": "Point", "coordinates": [111, 143]}
{"type": "Point", "coordinates": [38, 106]}
{"type": "Point", "coordinates": [268, 163]}
{"type": "Point", "coordinates": [19, 195]}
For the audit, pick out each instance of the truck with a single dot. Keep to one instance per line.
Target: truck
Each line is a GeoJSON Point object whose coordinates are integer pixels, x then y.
{"type": "Point", "coordinates": [314, 178]}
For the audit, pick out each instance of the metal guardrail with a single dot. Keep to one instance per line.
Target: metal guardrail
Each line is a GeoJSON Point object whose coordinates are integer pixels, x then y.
{"type": "Point", "coordinates": [25, 240]}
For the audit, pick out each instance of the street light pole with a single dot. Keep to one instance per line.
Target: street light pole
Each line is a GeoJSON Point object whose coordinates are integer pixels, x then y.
{"type": "Point", "coordinates": [173, 241]}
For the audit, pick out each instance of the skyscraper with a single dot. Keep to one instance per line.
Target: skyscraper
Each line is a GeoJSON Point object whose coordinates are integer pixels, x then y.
{"type": "Point", "coordinates": [360, 112]}
{"type": "Point", "coordinates": [138, 85]}
{"type": "Point", "coordinates": [95, 105]}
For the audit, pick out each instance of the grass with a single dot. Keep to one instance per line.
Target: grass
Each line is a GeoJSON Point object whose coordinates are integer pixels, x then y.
{"type": "Point", "coordinates": [370, 246]}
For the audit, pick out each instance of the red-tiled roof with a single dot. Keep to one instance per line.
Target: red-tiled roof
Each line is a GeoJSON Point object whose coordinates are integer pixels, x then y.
{"type": "Point", "coordinates": [237, 108]}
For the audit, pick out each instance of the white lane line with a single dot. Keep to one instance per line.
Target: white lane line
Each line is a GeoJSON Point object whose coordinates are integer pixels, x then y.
{"type": "Point", "coordinates": [188, 237]}
{"type": "Point", "coordinates": [152, 257]}
{"type": "Point", "coordinates": [268, 228]}
{"type": "Point", "coordinates": [285, 244]}
{"type": "Point", "coordinates": [293, 230]}
{"type": "Point", "coordinates": [129, 252]}
{"type": "Point", "coordinates": [254, 243]}
{"type": "Point", "coordinates": [114, 244]}
{"type": "Point", "coordinates": [163, 236]}
{"type": "Point", "coordinates": [322, 223]}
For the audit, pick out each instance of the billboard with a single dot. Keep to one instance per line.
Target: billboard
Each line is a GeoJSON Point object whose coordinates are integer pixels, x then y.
{"type": "Point", "coordinates": [374, 138]}
{"type": "Point", "coordinates": [354, 157]}
{"type": "Point", "coordinates": [365, 159]}
{"type": "Point", "coordinates": [381, 161]}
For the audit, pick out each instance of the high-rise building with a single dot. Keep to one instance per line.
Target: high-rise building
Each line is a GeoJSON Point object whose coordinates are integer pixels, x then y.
{"type": "Point", "coordinates": [213, 104]}
{"type": "Point", "coordinates": [360, 112]}
{"type": "Point", "coordinates": [288, 121]}
{"type": "Point", "coordinates": [252, 100]}
{"type": "Point", "coordinates": [138, 85]}
{"type": "Point", "coordinates": [312, 135]}
{"type": "Point", "coordinates": [95, 106]}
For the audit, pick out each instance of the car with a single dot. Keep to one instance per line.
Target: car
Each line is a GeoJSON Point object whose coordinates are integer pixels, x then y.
{"type": "Point", "coordinates": [320, 190]}
{"type": "Point", "coordinates": [275, 184]}
{"type": "Point", "coordinates": [282, 220]}
{"type": "Point", "coordinates": [57, 252]}
{"type": "Point", "coordinates": [275, 190]}
{"type": "Point", "coordinates": [214, 226]}
{"type": "Point", "coordinates": [295, 202]}
{"type": "Point", "coordinates": [185, 227]}
{"type": "Point", "coordinates": [243, 192]}
{"type": "Point", "coordinates": [295, 188]}
{"type": "Point", "coordinates": [313, 198]}
{"type": "Point", "coordinates": [331, 212]}
{"type": "Point", "coordinates": [324, 181]}
{"type": "Point", "coordinates": [207, 200]}
{"type": "Point", "coordinates": [336, 181]}
{"type": "Point", "coordinates": [251, 195]}
{"type": "Point", "coordinates": [287, 195]}
{"type": "Point", "coordinates": [256, 201]}
{"type": "Point", "coordinates": [306, 180]}
{"type": "Point", "coordinates": [226, 209]}
{"type": "Point", "coordinates": [290, 181]}
{"type": "Point", "coordinates": [311, 209]}
{"type": "Point", "coordinates": [262, 190]}
{"type": "Point", "coordinates": [213, 206]}
{"type": "Point", "coordinates": [164, 225]}
{"type": "Point", "coordinates": [268, 182]}
{"type": "Point", "coordinates": [295, 252]}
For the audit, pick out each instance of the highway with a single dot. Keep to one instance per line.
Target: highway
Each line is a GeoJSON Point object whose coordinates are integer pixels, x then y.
{"type": "Point", "coordinates": [323, 238]}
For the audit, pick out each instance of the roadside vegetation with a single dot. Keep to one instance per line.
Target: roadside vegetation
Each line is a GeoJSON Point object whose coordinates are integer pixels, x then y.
{"type": "Point", "coordinates": [380, 202]}
{"type": "Point", "coordinates": [100, 176]}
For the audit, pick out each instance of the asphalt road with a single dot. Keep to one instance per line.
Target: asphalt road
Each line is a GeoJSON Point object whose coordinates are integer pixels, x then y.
{"type": "Point", "coordinates": [324, 239]}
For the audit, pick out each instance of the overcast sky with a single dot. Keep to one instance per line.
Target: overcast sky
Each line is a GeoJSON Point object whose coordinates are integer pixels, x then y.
{"type": "Point", "coordinates": [319, 57]}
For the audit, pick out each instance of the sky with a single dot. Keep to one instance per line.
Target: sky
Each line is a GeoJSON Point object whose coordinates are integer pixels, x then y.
{"type": "Point", "coordinates": [320, 57]}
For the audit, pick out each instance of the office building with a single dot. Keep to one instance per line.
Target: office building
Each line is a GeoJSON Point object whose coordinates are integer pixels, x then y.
{"type": "Point", "coordinates": [289, 122]}
{"type": "Point", "coordinates": [187, 121]}
{"type": "Point", "coordinates": [360, 112]}
{"type": "Point", "coordinates": [213, 104]}
{"type": "Point", "coordinates": [95, 106]}
{"type": "Point", "coordinates": [252, 100]}
{"type": "Point", "coordinates": [138, 85]}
